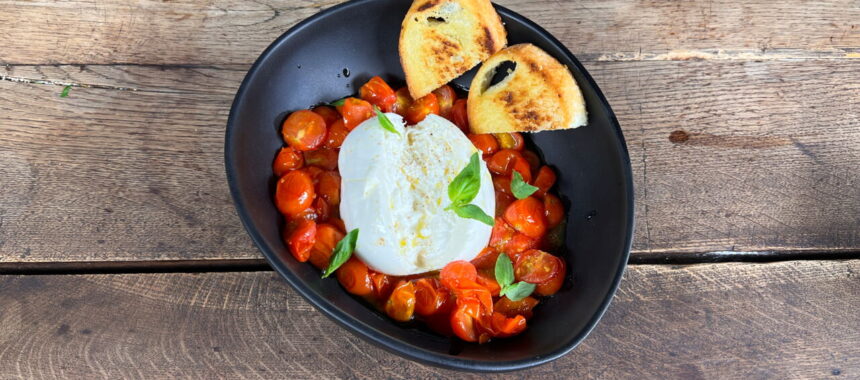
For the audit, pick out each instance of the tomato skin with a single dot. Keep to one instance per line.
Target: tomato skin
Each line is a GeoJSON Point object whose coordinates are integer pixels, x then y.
{"type": "Point", "coordinates": [486, 143]}
{"type": "Point", "coordinates": [511, 140]}
{"type": "Point", "coordinates": [326, 238]}
{"type": "Point", "coordinates": [544, 180]}
{"type": "Point", "coordinates": [420, 108]}
{"type": "Point", "coordinates": [553, 285]}
{"type": "Point", "coordinates": [328, 114]}
{"type": "Point", "coordinates": [446, 97]}
{"type": "Point", "coordinates": [504, 327]}
{"type": "Point", "coordinates": [511, 309]}
{"type": "Point", "coordinates": [286, 160]}
{"type": "Point", "coordinates": [463, 319]}
{"type": "Point", "coordinates": [402, 102]}
{"type": "Point", "coordinates": [294, 193]}
{"type": "Point", "coordinates": [430, 296]}
{"type": "Point", "coordinates": [378, 93]}
{"type": "Point", "coordinates": [553, 210]}
{"type": "Point", "coordinates": [383, 284]}
{"type": "Point", "coordinates": [486, 259]}
{"type": "Point", "coordinates": [536, 266]}
{"type": "Point", "coordinates": [354, 276]}
{"type": "Point", "coordinates": [505, 238]}
{"type": "Point", "coordinates": [304, 130]}
{"type": "Point", "coordinates": [401, 303]}
{"type": "Point", "coordinates": [527, 217]}
{"type": "Point", "coordinates": [336, 134]}
{"type": "Point", "coordinates": [457, 273]}
{"type": "Point", "coordinates": [503, 161]}
{"type": "Point", "coordinates": [302, 239]}
{"type": "Point", "coordinates": [355, 111]}
{"type": "Point", "coordinates": [328, 187]}
{"type": "Point", "coordinates": [490, 284]}
{"type": "Point", "coordinates": [323, 158]}
{"type": "Point", "coordinates": [459, 116]}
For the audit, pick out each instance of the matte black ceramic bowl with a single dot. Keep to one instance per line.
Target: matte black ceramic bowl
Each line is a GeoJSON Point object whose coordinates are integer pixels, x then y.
{"type": "Point", "coordinates": [329, 56]}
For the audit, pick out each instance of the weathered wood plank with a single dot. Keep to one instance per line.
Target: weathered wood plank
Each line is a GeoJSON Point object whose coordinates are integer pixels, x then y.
{"type": "Point", "coordinates": [782, 320]}
{"type": "Point", "coordinates": [228, 32]}
{"type": "Point", "coordinates": [763, 156]}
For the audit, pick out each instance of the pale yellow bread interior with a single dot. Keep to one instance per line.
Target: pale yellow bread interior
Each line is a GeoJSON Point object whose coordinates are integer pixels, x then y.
{"type": "Point", "coordinates": [442, 39]}
{"type": "Point", "coordinates": [539, 94]}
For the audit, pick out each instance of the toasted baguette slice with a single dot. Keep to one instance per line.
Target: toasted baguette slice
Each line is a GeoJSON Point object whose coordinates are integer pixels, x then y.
{"type": "Point", "coordinates": [539, 94]}
{"type": "Point", "coordinates": [442, 39]}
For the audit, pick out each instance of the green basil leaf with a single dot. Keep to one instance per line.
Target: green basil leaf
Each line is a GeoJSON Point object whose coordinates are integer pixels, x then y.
{"type": "Point", "coordinates": [384, 122]}
{"type": "Point", "coordinates": [520, 188]}
{"type": "Point", "coordinates": [342, 252]}
{"type": "Point", "coordinates": [504, 270]}
{"type": "Point", "coordinates": [464, 188]}
{"type": "Point", "coordinates": [65, 92]}
{"type": "Point", "coordinates": [519, 290]}
{"type": "Point", "coordinates": [471, 211]}
{"type": "Point", "coordinates": [338, 103]}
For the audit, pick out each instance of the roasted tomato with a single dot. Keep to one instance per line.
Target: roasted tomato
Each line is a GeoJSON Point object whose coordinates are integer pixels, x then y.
{"type": "Point", "coordinates": [328, 187]}
{"type": "Point", "coordinates": [382, 285]}
{"type": "Point", "coordinates": [553, 210]}
{"type": "Point", "coordinates": [463, 320]}
{"type": "Point", "coordinates": [422, 107]}
{"type": "Point", "coordinates": [489, 283]}
{"type": "Point", "coordinates": [503, 200]}
{"type": "Point", "coordinates": [327, 237]}
{"type": "Point", "coordinates": [502, 184]}
{"type": "Point", "coordinates": [459, 116]}
{"type": "Point", "coordinates": [404, 100]}
{"type": "Point", "coordinates": [286, 160]}
{"type": "Point", "coordinates": [378, 93]}
{"type": "Point", "coordinates": [510, 140]}
{"type": "Point", "coordinates": [355, 111]}
{"type": "Point", "coordinates": [294, 193]}
{"type": "Point", "coordinates": [486, 259]}
{"type": "Point", "coordinates": [401, 303]}
{"type": "Point", "coordinates": [302, 239]}
{"type": "Point", "coordinates": [337, 222]}
{"type": "Point", "coordinates": [532, 158]}
{"type": "Point", "coordinates": [513, 308]}
{"type": "Point", "coordinates": [329, 114]}
{"type": "Point", "coordinates": [505, 238]}
{"type": "Point", "coordinates": [430, 296]}
{"type": "Point", "coordinates": [544, 180]}
{"type": "Point", "coordinates": [505, 327]}
{"type": "Point", "coordinates": [527, 217]}
{"type": "Point", "coordinates": [551, 286]}
{"type": "Point", "coordinates": [457, 273]}
{"type": "Point", "coordinates": [321, 209]}
{"type": "Point", "coordinates": [536, 266]}
{"type": "Point", "coordinates": [304, 130]}
{"type": "Point", "coordinates": [485, 143]}
{"type": "Point", "coordinates": [354, 276]}
{"type": "Point", "coordinates": [522, 166]}
{"type": "Point", "coordinates": [446, 97]}
{"type": "Point", "coordinates": [503, 161]}
{"type": "Point", "coordinates": [336, 134]}
{"type": "Point", "coordinates": [323, 158]}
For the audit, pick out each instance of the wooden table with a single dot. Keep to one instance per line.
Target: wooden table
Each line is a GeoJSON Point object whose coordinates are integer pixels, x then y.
{"type": "Point", "coordinates": [121, 254]}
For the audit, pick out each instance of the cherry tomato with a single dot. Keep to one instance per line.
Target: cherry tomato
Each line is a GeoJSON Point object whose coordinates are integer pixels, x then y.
{"type": "Point", "coordinates": [378, 93]}
{"type": "Point", "coordinates": [503, 161]}
{"type": "Point", "coordinates": [328, 114]}
{"type": "Point", "coordinates": [520, 165]}
{"type": "Point", "coordinates": [355, 111]}
{"type": "Point", "coordinates": [336, 134]}
{"type": "Point", "coordinates": [456, 273]}
{"type": "Point", "coordinates": [430, 296]}
{"type": "Point", "coordinates": [511, 309]}
{"type": "Point", "coordinates": [420, 108]}
{"type": "Point", "coordinates": [527, 217]}
{"type": "Point", "coordinates": [314, 172]}
{"type": "Point", "coordinates": [328, 187]}
{"type": "Point", "coordinates": [309, 213]}
{"type": "Point", "coordinates": [532, 158]}
{"type": "Point", "coordinates": [294, 193]}
{"type": "Point", "coordinates": [503, 200]}
{"type": "Point", "coordinates": [446, 97]}
{"type": "Point", "coordinates": [354, 276]}
{"type": "Point", "coordinates": [552, 285]}
{"type": "Point", "coordinates": [382, 285]}
{"type": "Point", "coordinates": [459, 116]}
{"type": "Point", "coordinates": [489, 283]}
{"type": "Point", "coordinates": [536, 266]}
{"type": "Point", "coordinates": [544, 180]}
{"type": "Point", "coordinates": [337, 222]}
{"type": "Point", "coordinates": [505, 327]}
{"type": "Point", "coordinates": [502, 184]}
{"type": "Point", "coordinates": [485, 143]}
{"type": "Point", "coordinates": [520, 243]}
{"type": "Point", "coordinates": [511, 140]}
{"type": "Point", "coordinates": [404, 100]}
{"type": "Point", "coordinates": [324, 158]}
{"type": "Point", "coordinates": [505, 238]}
{"type": "Point", "coordinates": [304, 130]}
{"type": "Point", "coordinates": [286, 160]}
{"type": "Point", "coordinates": [321, 209]}
{"type": "Point", "coordinates": [302, 239]}
{"type": "Point", "coordinates": [327, 237]}
{"type": "Point", "coordinates": [401, 303]}
{"type": "Point", "coordinates": [553, 210]}
{"type": "Point", "coordinates": [463, 319]}
{"type": "Point", "coordinates": [486, 259]}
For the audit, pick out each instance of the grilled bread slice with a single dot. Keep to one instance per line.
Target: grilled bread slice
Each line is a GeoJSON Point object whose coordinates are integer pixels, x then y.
{"type": "Point", "coordinates": [442, 39]}
{"type": "Point", "coordinates": [538, 94]}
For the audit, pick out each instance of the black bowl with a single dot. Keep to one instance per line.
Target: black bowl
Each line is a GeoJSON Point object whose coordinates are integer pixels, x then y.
{"type": "Point", "coordinates": [327, 57]}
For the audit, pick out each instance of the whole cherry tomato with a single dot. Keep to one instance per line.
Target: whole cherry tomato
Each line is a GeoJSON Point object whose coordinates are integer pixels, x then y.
{"type": "Point", "coordinates": [505, 327]}
{"type": "Point", "coordinates": [511, 140]}
{"type": "Point", "coordinates": [304, 130]}
{"type": "Point", "coordinates": [329, 114]}
{"type": "Point", "coordinates": [456, 273]}
{"type": "Point", "coordinates": [322, 157]}
{"type": "Point", "coordinates": [403, 101]}
{"type": "Point", "coordinates": [446, 97]}
{"type": "Point", "coordinates": [486, 143]}
{"type": "Point", "coordinates": [536, 266]}
{"type": "Point", "coordinates": [327, 237]}
{"type": "Point", "coordinates": [302, 239]}
{"type": "Point", "coordinates": [336, 134]}
{"type": "Point", "coordinates": [354, 276]}
{"type": "Point", "coordinates": [294, 193]}
{"type": "Point", "coordinates": [286, 160]}
{"type": "Point", "coordinates": [430, 296]}
{"type": "Point", "coordinates": [553, 210]}
{"type": "Point", "coordinates": [328, 187]}
{"type": "Point", "coordinates": [401, 303]}
{"type": "Point", "coordinates": [355, 111]}
{"type": "Point", "coordinates": [544, 180]}
{"type": "Point", "coordinates": [513, 308]}
{"type": "Point", "coordinates": [551, 286]}
{"type": "Point", "coordinates": [459, 116]}
{"type": "Point", "coordinates": [378, 93]}
{"type": "Point", "coordinates": [422, 107]}
{"type": "Point", "coordinates": [527, 217]}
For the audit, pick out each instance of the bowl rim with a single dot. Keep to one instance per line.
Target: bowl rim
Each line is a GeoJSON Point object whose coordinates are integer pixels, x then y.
{"type": "Point", "coordinates": [366, 332]}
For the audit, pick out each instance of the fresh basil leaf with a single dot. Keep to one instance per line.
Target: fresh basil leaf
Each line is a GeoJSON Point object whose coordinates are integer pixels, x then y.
{"type": "Point", "coordinates": [384, 122]}
{"type": "Point", "coordinates": [471, 211]}
{"type": "Point", "coordinates": [342, 252]}
{"type": "Point", "coordinates": [521, 189]}
{"type": "Point", "coordinates": [65, 92]}
{"type": "Point", "coordinates": [504, 270]}
{"type": "Point", "coordinates": [519, 290]}
{"type": "Point", "coordinates": [338, 103]}
{"type": "Point", "coordinates": [464, 188]}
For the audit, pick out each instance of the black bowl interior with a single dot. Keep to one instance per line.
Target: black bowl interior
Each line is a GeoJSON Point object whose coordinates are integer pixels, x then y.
{"type": "Point", "coordinates": [327, 57]}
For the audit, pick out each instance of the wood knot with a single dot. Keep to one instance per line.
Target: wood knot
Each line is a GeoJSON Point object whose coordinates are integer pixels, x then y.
{"type": "Point", "coordinates": [679, 136]}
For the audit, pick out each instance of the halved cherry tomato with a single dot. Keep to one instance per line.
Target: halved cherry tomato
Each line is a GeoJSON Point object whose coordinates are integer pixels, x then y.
{"type": "Point", "coordinates": [485, 143]}
{"type": "Point", "coordinates": [456, 273]}
{"type": "Point", "coordinates": [503, 161]}
{"type": "Point", "coordinates": [490, 284]}
{"type": "Point", "coordinates": [420, 108]}
{"type": "Point", "coordinates": [328, 187]}
{"type": "Point", "coordinates": [520, 243]}
{"type": "Point", "coordinates": [527, 217]}
{"type": "Point", "coordinates": [505, 238]}
{"type": "Point", "coordinates": [324, 158]}
{"type": "Point", "coordinates": [336, 134]}
{"type": "Point", "coordinates": [536, 266]}
{"type": "Point", "coordinates": [304, 130]}
{"type": "Point", "coordinates": [302, 239]}
{"type": "Point", "coordinates": [355, 277]}
{"type": "Point", "coordinates": [329, 114]}
{"type": "Point", "coordinates": [544, 180]}
{"type": "Point", "coordinates": [531, 157]}
{"type": "Point", "coordinates": [327, 237]}
{"type": "Point", "coordinates": [382, 285]}
{"type": "Point", "coordinates": [463, 319]}
{"type": "Point", "coordinates": [505, 327]}
{"type": "Point", "coordinates": [486, 259]}
{"type": "Point", "coordinates": [404, 100]}
{"type": "Point", "coordinates": [513, 308]}
{"type": "Point", "coordinates": [430, 296]}
{"type": "Point", "coordinates": [446, 97]}
{"type": "Point", "coordinates": [294, 193]}
{"type": "Point", "coordinates": [553, 210]}
{"type": "Point", "coordinates": [552, 285]}
{"type": "Point", "coordinates": [379, 93]}
{"type": "Point", "coordinates": [355, 111]}
{"type": "Point", "coordinates": [510, 140]}
{"type": "Point", "coordinates": [286, 160]}
{"type": "Point", "coordinates": [503, 200]}
{"type": "Point", "coordinates": [401, 303]}
{"type": "Point", "coordinates": [459, 116]}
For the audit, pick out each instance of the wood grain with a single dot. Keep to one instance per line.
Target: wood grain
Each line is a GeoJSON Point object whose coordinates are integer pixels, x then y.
{"type": "Point", "coordinates": [228, 32]}
{"type": "Point", "coordinates": [784, 320]}
{"type": "Point", "coordinates": [727, 156]}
